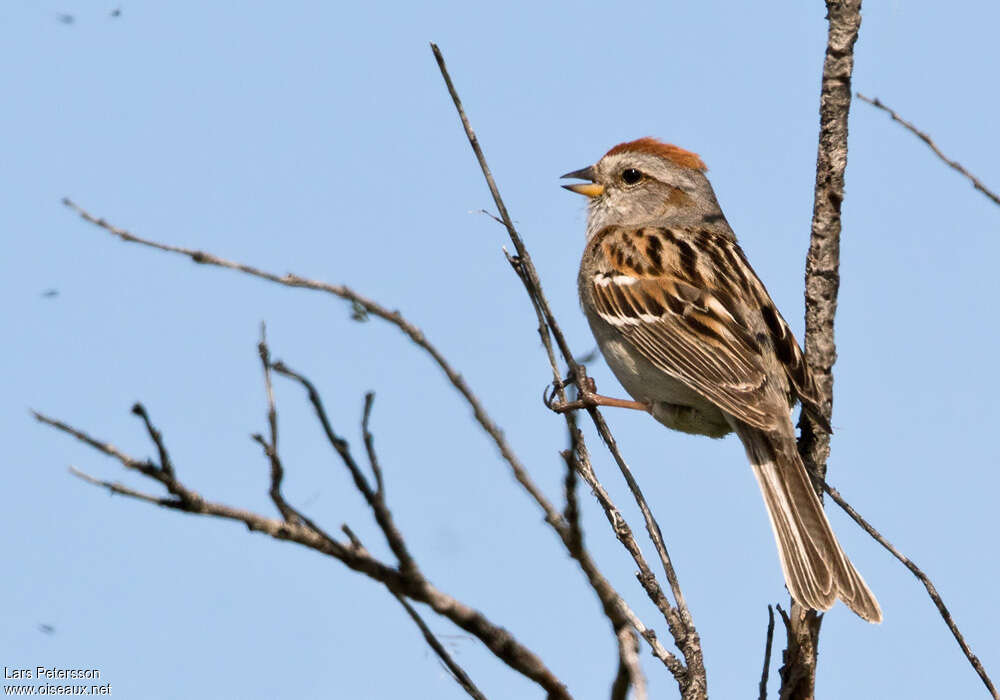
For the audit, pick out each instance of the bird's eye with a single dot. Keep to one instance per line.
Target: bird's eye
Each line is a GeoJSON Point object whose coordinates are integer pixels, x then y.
{"type": "Point", "coordinates": [630, 176]}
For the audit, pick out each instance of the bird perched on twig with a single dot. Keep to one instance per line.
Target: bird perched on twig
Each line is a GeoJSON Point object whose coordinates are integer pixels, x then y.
{"type": "Point", "coordinates": [692, 334]}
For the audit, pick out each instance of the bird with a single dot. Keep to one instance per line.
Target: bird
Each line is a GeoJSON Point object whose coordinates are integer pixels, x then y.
{"type": "Point", "coordinates": [691, 333]}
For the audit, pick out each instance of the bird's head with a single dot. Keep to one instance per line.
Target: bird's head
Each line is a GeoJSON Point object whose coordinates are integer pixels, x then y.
{"type": "Point", "coordinates": [645, 182]}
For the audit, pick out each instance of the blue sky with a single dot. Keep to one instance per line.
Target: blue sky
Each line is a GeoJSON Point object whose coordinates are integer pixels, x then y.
{"type": "Point", "coordinates": [318, 138]}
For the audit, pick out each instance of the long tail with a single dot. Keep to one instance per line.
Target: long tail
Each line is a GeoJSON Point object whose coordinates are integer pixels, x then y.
{"type": "Point", "coordinates": [817, 571]}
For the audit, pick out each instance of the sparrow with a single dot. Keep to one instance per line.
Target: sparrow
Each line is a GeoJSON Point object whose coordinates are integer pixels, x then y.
{"type": "Point", "coordinates": [691, 333]}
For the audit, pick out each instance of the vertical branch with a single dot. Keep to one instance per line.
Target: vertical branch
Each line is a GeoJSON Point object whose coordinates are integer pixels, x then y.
{"type": "Point", "coordinates": [798, 675]}
{"type": "Point", "coordinates": [823, 262]}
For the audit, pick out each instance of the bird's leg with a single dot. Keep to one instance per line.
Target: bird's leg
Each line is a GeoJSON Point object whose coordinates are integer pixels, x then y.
{"type": "Point", "coordinates": [590, 400]}
{"type": "Point", "coordinates": [587, 397]}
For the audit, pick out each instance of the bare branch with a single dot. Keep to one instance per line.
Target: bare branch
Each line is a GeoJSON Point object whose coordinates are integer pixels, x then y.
{"type": "Point", "coordinates": [572, 510]}
{"type": "Point", "coordinates": [375, 499]}
{"type": "Point", "coordinates": [953, 164]}
{"type": "Point", "coordinates": [682, 625]}
{"type": "Point", "coordinates": [822, 283]}
{"type": "Point", "coordinates": [823, 260]}
{"type": "Point", "coordinates": [583, 466]}
{"type": "Point", "coordinates": [767, 653]}
{"type": "Point", "coordinates": [615, 608]}
{"type": "Point", "coordinates": [370, 307]}
{"type": "Point", "coordinates": [460, 676]}
{"type": "Point", "coordinates": [922, 577]}
{"type": "Point", "coordinates": [552, 515]}
{"type": "Point", "coordinates": [410, 584]}
{"type": "Point", "coordinates": [578, 461]}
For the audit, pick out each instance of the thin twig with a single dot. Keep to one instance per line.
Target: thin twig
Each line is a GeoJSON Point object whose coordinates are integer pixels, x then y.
{"type": "Point", "coordinates": [767, 653]}
{"type": "Point", "coordinates": [578, 462]}
{"type": "Point", "coordinates": [270, 447]}
{"type": "Point", "coordinates": [623, 532]}
{"type": "Point", "coordinates": [140, 465]}
{"type": "Point", "coordinates": [922, 577]}
{"type": "Point", "coordinates": [122, 490]}
{"type": "Point", "coordinates": [154, 434]}
{"type": "Point", "coordinates": [687, 635]}
{"type": "Point", "coordinates": [953, 164]}
{"type": "Point", "coordinates": [370, 445]}
{"type": "Point", "coordinates": [784, 616]}
{"type": "Point", "coordinates": [346, 529]}
{"type": "Point", "coordinates": [460, 676]}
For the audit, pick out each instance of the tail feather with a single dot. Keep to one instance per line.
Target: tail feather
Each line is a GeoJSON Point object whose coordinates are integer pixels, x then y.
{"type": "Point", "coordinates": [816, 570]}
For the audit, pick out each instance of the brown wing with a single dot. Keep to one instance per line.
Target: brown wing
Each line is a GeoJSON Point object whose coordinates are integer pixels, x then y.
{"type": "Point", "coordinates": [662, 291]}
{"type": "Point", "coordinates": [786, 348]}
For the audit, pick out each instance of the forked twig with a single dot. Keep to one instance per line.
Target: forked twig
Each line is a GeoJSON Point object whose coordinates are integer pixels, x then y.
{"type": "Point", "coordinates": [374, 498]}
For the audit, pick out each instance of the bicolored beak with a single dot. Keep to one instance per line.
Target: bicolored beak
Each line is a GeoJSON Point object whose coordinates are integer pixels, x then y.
{"type": "Point", "coordinates": [591, 189]}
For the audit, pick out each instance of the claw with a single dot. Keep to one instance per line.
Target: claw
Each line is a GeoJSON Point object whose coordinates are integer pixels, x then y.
{"type": "Point", "coordinates": [550, 391]}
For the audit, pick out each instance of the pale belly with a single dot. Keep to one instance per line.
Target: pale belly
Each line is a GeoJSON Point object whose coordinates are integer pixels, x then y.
{"type": "Point", "coordinates": [674, 404]}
